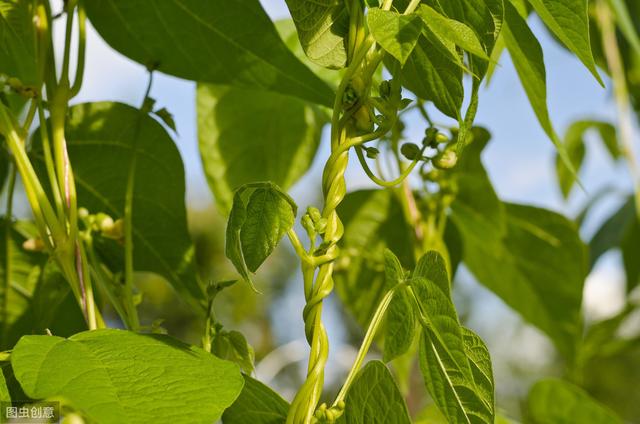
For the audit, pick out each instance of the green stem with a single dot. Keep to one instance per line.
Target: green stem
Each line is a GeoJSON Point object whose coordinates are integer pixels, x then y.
{"type": "Point", "coordinates": [82, 46]}
{"type": "Point", "coordinates": [8, 263]}
{"type": "Point", "coordinates": [369, 336]}
{"type": "Point", "coordinates": [621, 92]}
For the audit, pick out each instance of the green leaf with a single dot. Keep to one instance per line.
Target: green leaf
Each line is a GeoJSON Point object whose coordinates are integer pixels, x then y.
{"type": "Point", "coordinates": [373, 221]}
{"type": "Point", "coordinates": [115, 376]}
{"type": "Point", "coordinates": [485, 17]}
{"type": "Point", "coordinates": [612, 231]}
{"type": "Point", "coordinates": [322, 28]}
{"type": "Point", "coordinates": [569, 21]}
{"type": "Point", "coordinates": [537, 267]}
{"type": "Point", "coordinates": [575, 147]}
{"type": "Point", "coordinates": [432, 73]}
{"type": "Point", "coordinates": [261, 215]}
{"type": "Point", "coordinates": [452, 30]}
{"type": "Point", "coordinates": [245, 136]}
{"type": "Point", "coordinates": [528, 60]}
{"type": "Point", "coordinates": [630, 254]}
{"type": "Point", "coordinates": [233, 43]}
{"type": "Point", "coordinates": [560, 402]}
{"type": "Point", "coordinates": [400, 321]}
{"type": "Point", "coordinates": [455, 364]}
{"type": "Point", "coordinates": [233, 346]}
{"type": "Point", "coordinates": [397, 34]}
{"type": "Point", "coordinates": [374, 398]}
{"type": "Point", "coordinates": [477, 211]}
{"type": "Point", "coordinates": [4, 390]}
{"type": "Point", "coordinates": [104, 141]}
{"type": "Point", "coordinates": [17, 40]}
{"type": "Point", "coordinates": [257, 404]}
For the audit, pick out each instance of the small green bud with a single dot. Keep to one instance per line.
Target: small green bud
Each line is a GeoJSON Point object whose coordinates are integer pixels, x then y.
{"type": "Point", "coordinates": [441, 138]}
{"type": "Point", "coordinates": [446, 159]}
{"type": "Point", "coordinates": [307, 223]}
{"type": "Point", "coordinates": [349, 97]}
{"type": "Point", "coordinates": [371, 152]}
{"type": "Point", "coordinates": [314, 213]}
{"type": "Point", "coordinates": [410, 151]}
{"type": "Point", "coordinates": [83, 213]}
{"type": "Point", "coordinates": [321, 226]}
{"type": "Point", "coordinates": [33, 245]}
{"type": "Point", "coordinates": [385, 89]}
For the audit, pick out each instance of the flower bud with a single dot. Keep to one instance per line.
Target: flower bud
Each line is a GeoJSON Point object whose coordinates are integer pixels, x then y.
{"type": "Point", "coordinates": [446, 159]}
{"type": "Point", "coordinates": [410, 151]}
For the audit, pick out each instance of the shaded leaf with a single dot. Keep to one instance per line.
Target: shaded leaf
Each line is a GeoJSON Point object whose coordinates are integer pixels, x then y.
{"type": "Point", "coordinates": [115, 376]}
{"type": "Point", "coordinates": [17, 40]}
{"type": "Point", "coordinates": [233, 43]}
{"type": "Point", "coordinates": [246, 136]}
{"type": "Point", "coordinates": [257, 404]}
{"type": "Point", "coordinates": [400, 322]}
{"type": "Point", "coordinates": [233, 346]}
{"type": "Point", "coordinates": [612, 232]}
{"type": "Point", "coordinates": [322, 28]}
{"type": "Point", "coordinates": [373, 221]}
{"type": "Point", "coordinates": [557, 401]}
{"type": "Point", "coordinates": [538, 268]}
{"type": "Point", "coordinates": [105, 140]}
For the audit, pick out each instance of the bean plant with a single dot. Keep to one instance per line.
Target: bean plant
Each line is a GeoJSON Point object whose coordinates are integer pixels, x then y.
{"type": "Point", "coordinates": [106, 186]}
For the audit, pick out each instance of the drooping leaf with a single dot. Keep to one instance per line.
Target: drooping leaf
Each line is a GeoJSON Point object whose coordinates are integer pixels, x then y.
{"type": "Point", "coordinates": [322, 28]}
{"type": "Point", "coordinates": [257, 404]}
{"type": "Point", "coordinates": [261, 215]}
{"type": "Point", "coordinates": [528, 60]}
{"type": "Point", "coordinates": [432, 73]}
{"type": "Point", "coordinates": [373, 221]}
{"type": "Point", "coordinates": [557, 401]}
{"type": "Point", "coordinates": [625, 24]}
{"type": "Point", "coordinates": [374, 398]}
{"type": "Point", "coordinates": [452, 30]}
{"type": "Point", "coordinates": [400, 321]}
{"type": "Point", "coordinates": [575, 147]}
{"type": "Point", "coordinates": [396, 33]}
{"type": "Point", "coordinates": [105, 140]}
{"type": "Point", "coordinates": [233, 43]}
{"type": "Point", "coordinates": [246, 136]}
{"type": "Point", "coordinates": [538, 268]}
{"type": "Point", "coordinates": [115, 376]}
{"type": "Point", "coordinates": [569, 21]}
{"type": "Point", "coordinates": [454, 362]}
{"type": "Point", "coordinates": [233, 346]}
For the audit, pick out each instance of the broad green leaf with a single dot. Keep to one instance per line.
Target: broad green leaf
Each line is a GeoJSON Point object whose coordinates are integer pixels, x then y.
{"type": "Point", "coordinates": [261, 215]}
{"type": "Point", "coordinates": [455, 364]}
{"type": "Point", "coordinates": [575, 147]}
{"type": "Point", "coordinates": [4, 390]}
{"type": "Point", "coordinates": [432, 73]}
{"type": "Point", "coordinates": [322, 28]}
{"type": "Point", "coordinates": [477, 211]}
{"type": "Point", "coordinates": [400, 321]}
{"type": "Point", "coordinates": [231, 42]}
{"type": "Point", "coordinates": [612, 231]}
{"type": "Point", "coordinates": [630, 254]}
{"type": "Point", "coordinates": [374, 398]}
{"type": "Point", "coordinates": [538, 268]}
{"type": "Point", "coordinates": [528, 60]}
{"type": "Point", "coordinates": [105, 141]}
{"type": "Point", "coordinates": [17, 40]}
{"type": "Point", "coordinates": [115, 376]}
{"type": "Point", "coordinates": [233, 346]}
{"type": "Point", "coordinates": [569, 21]}
{"type": "Point", "coordinates": [246, 136]}
{"type": "Point", "coordinates": [397, 34]}
{"type": "Point", "coordinates": [560, 402]}
{"type": "Point", "coordinates": [485, 17]}
{"type": "Point", "coordinates": [452, 30]}
{"type": "Point", "coordinates": [373, 221]}
{"type": "Point", "coordinates": [257, 404]}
